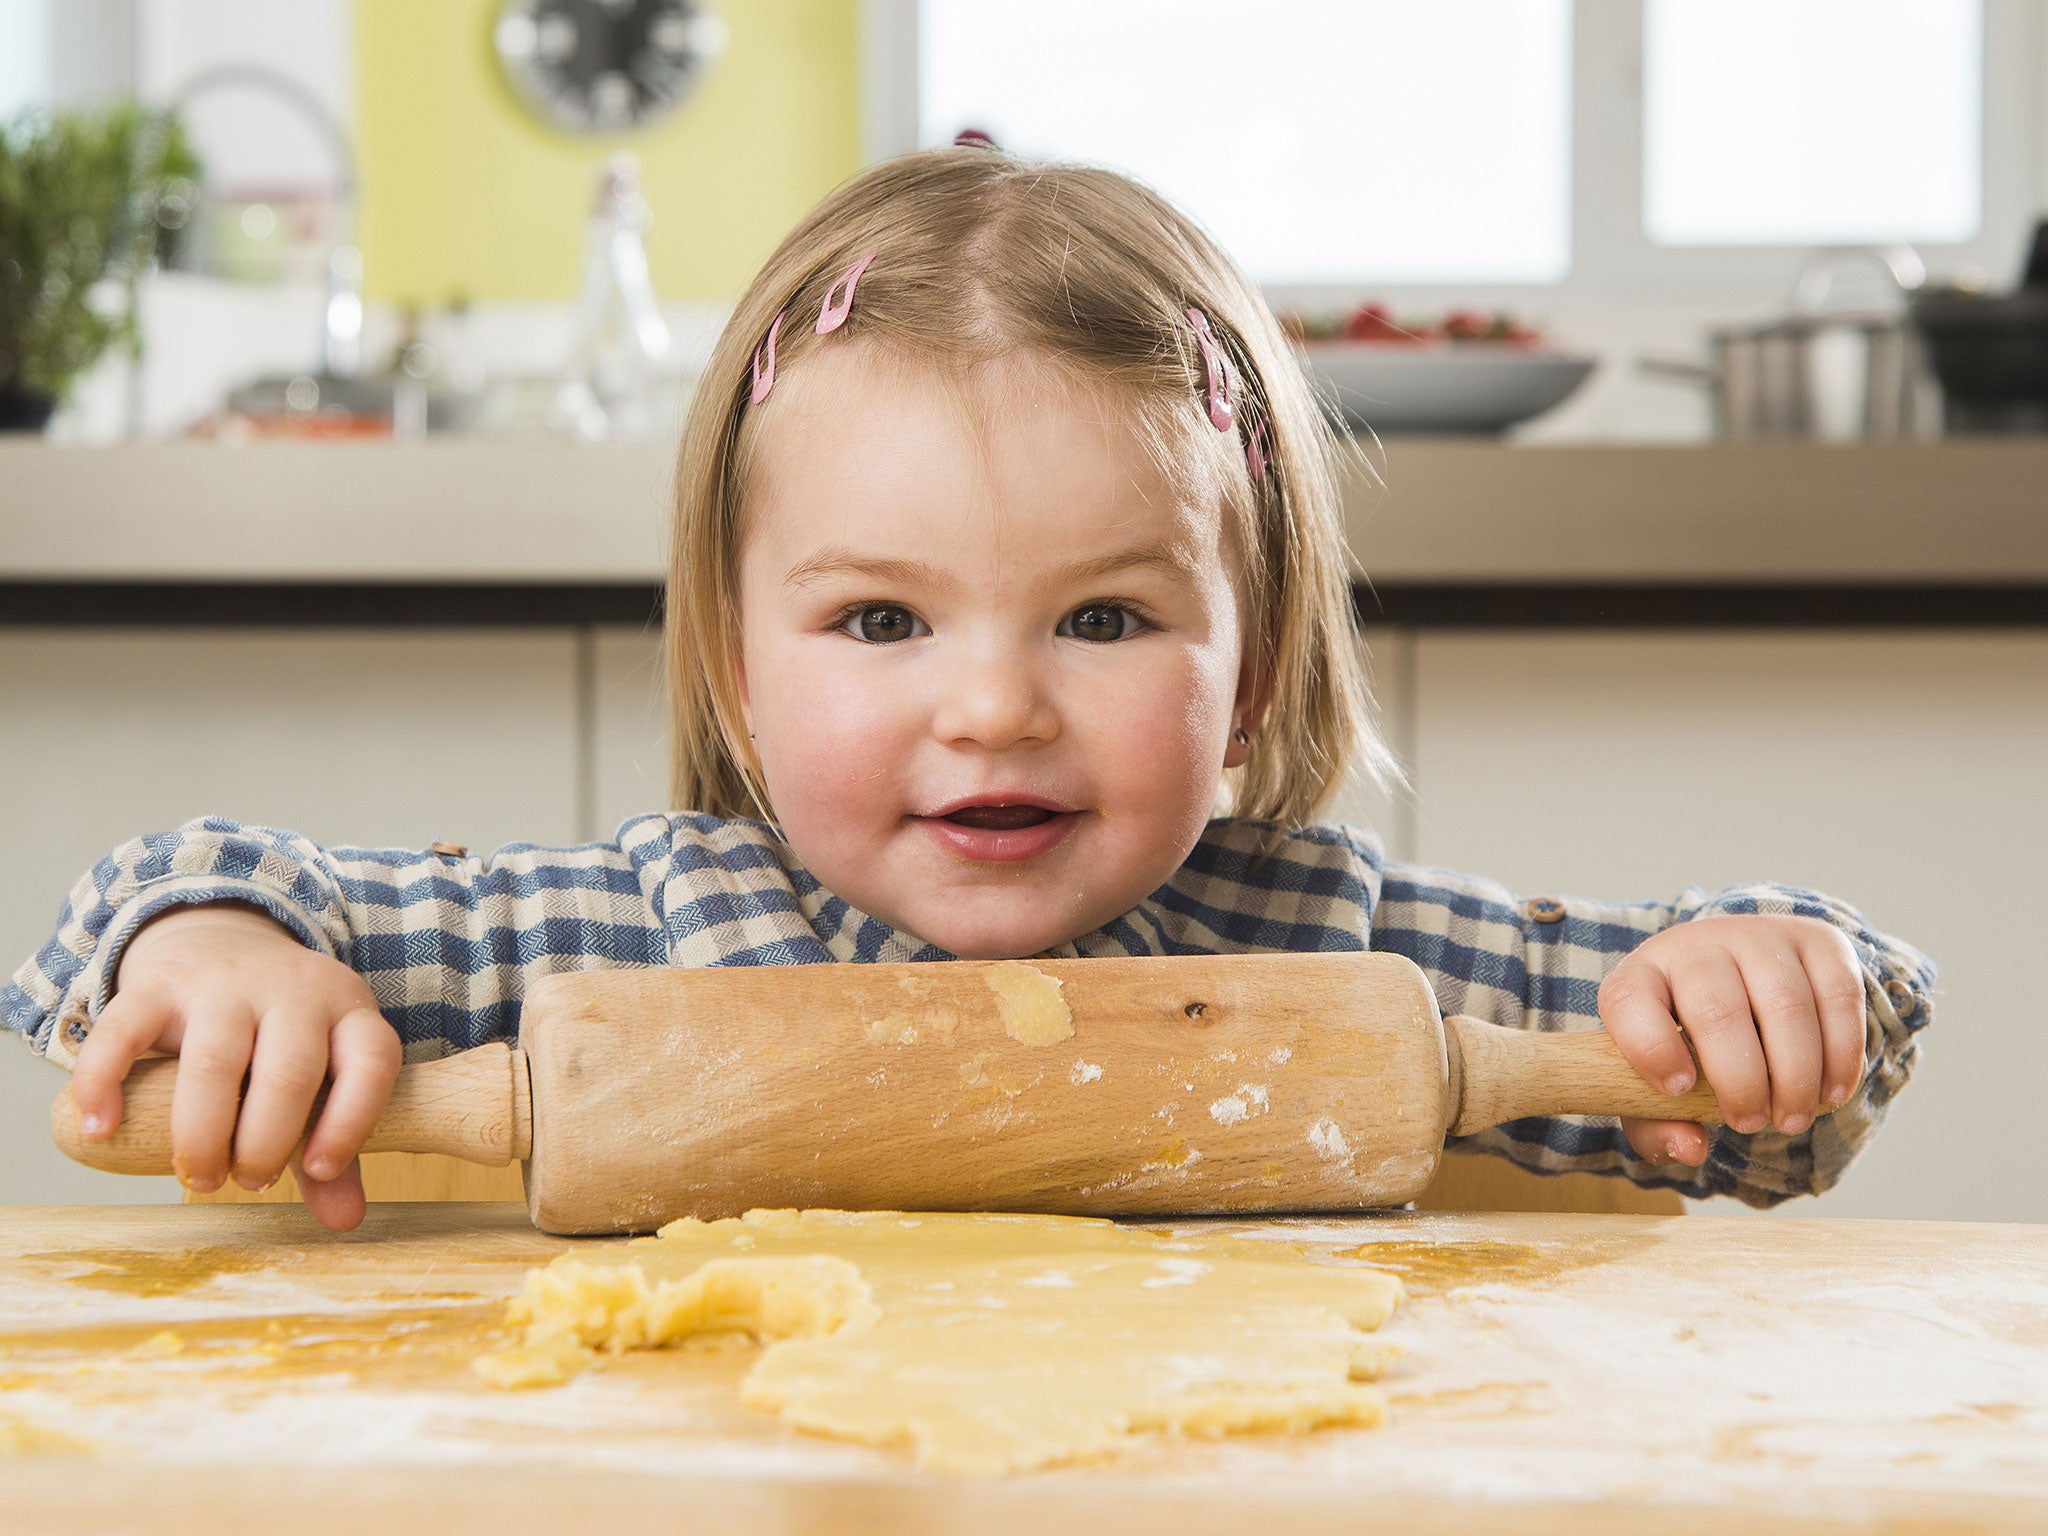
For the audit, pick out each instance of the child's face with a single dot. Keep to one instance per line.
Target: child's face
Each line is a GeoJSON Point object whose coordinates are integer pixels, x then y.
{"type": "Point", "coordinates": [991, 675]}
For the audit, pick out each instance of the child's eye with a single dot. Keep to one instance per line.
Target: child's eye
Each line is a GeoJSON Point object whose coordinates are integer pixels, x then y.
{"type": "Point", "coordinates": [1101, 623]}
{"type": "Point", "coordinates": [883, 624]}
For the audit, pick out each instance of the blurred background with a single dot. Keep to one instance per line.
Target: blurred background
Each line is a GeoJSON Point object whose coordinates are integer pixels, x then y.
{"type": "Point", "coordinates": [1624, 178]}
{"type": "Point", "coordinates": [1699, 352]}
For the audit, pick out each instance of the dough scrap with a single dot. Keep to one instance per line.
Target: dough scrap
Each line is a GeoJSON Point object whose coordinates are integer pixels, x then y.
{"type": "Point", "coordinates": [990, 1343]}
{"type": "Point", "coordinates": [1029, 1003]}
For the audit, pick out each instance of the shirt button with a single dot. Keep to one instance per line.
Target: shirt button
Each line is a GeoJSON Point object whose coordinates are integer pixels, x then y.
{"type": "Point", "coordinates": [1902, 996]}
{"type": "Point", "coordinates": [450, 850]}
{"type": "Point", "coordinates": [1545, 909]}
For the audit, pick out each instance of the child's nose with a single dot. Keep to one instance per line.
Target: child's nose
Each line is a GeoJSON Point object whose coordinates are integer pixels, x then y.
{"type": "Point", "coordinates": [995, 701]}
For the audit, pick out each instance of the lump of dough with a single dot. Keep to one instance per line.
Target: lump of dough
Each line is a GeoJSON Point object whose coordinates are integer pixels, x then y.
{"type": "Point", "coordinates": [571, 1309]}
{"type": "Point", "coordinates": [988, 1343]}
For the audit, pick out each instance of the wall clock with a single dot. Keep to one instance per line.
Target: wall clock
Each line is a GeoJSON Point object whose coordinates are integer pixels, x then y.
{"type": "Point", "coordinates": [606, 66]}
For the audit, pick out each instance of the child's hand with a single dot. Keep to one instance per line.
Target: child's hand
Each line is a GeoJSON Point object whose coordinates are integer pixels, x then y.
{"type": "Point", "coordinates": [229, 992]}
{"type": "Point", "coordinates": [1772, 1005]}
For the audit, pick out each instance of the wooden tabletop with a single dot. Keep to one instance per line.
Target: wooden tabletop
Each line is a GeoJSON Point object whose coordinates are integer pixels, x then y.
{"type": "Point", "coordinates": [206, 1367]}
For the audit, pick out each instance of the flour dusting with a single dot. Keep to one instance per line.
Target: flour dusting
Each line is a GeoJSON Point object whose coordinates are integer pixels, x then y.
{"type": "Point", "coordinates": [1327, 1137]}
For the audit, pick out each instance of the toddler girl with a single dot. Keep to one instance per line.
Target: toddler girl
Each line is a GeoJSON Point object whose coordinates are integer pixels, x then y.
{"type": "Point", "coordinates": [1006, 539]}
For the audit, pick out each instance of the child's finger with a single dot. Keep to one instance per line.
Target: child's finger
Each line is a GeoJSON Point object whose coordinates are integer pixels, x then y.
{"type": "Point", "coordinates": [336, 1203]}
{"type": "Point", "coordinates": [126, 1028]}
{"type": "Point", "coordinates": [1837, 983]}
{"type": "Point", "coordinates": [366, 1057]}
{"type": "Point", "coordinates": [1788, 1023]}
{"type": "Point", "coordinates": [1635, 1006]}
{"type": "Point", "coordinates": [211, 1061]}
{"type": "Point", "coordinates": [285, 1073]}
{"type": "Point", "coordinates": [1713, 1005]}
{"type": "Point", "coordinates": [1667, 1141]}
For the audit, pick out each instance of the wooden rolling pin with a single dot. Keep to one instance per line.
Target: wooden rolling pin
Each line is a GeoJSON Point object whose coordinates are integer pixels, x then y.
{"type": "Point", "coordinates": [1196, 1084]}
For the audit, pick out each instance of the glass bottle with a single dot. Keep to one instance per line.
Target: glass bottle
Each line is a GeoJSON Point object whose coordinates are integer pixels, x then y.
{"type": "Point", "coordinates": [622, 354]}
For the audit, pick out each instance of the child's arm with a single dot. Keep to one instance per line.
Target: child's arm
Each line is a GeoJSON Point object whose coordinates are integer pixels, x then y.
{"type": "Point", "coordinates": [1540, 964]}
{"type": "Point", "coordinates": [342, 943]}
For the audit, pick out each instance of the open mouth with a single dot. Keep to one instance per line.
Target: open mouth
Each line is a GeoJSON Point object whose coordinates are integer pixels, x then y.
{"type": "Point", "coordinates": [1000, 831]}
{"type": "Point", "coordinates": [1000, 818]}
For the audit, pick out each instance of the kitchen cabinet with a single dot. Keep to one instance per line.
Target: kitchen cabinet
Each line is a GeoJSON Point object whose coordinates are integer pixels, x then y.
{"type": "Point", "coordinates": [1903, 773]}
{"type": "Point", "coordinates": [272, 664]}
{"type": "Point", "coordinates": [356, 736]}
{"type": "Point", "coordinates": [1900, 770]}
{"type": "Point", "coordinates": [629, 724]}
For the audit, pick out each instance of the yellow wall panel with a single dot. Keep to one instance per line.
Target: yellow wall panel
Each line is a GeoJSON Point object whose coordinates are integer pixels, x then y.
{"type": "Point", "coordinates": [465, 191]}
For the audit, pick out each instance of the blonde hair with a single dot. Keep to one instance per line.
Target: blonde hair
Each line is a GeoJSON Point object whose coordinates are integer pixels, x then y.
{"type": "Point", "coordinates": [976, 254]}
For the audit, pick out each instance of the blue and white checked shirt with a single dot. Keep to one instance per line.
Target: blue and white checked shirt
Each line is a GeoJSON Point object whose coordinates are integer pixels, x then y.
{"type": "Point", "coordinates": [449, 944]}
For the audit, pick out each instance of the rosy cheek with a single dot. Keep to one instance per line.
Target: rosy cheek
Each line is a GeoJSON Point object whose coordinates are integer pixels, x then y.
{"type": "Point", "coordinates": [827, 744]}
{"type": "Point", "coordinates": [1173, 720]}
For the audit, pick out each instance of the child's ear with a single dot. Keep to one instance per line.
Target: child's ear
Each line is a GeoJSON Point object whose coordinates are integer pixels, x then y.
{"type": "Point", "coordinates": [1247, 712]}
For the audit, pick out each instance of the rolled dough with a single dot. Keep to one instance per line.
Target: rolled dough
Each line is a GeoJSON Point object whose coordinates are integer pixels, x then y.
{"type": "Point", "coordinates": [989, 1343]}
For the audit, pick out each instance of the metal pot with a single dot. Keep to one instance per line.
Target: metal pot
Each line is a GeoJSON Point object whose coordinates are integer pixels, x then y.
{"type": "Point", "coordinates": [1857, 374]}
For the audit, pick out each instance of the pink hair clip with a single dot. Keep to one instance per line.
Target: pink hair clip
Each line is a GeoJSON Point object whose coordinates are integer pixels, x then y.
{"type": "Point", "coordinates": [1256, 450]}
{"type": "Point", "coordinates": [830, 315]}
{"type": "Point", "coordinates": [1216, 386]}
{"type": "Point", "coordinates": [1218, 390]}
{"type": "Point", "coordinates": [764, 378]}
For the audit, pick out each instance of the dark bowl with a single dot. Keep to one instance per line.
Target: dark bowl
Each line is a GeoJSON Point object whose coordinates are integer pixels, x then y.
{"type": "Point", "coordinates": [1986, 347]}
{"type": "Point", "coordinates": [25, 410]}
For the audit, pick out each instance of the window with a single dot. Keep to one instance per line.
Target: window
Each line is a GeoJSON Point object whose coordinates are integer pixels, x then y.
{"type": "Point", "coordinates": [1321, 140]}
{"type": "Point", "coordinates": [24, 55]}
{"type": "Point", "coordinates": [1825, 121]}
{"type": "Point", "coordinates": [1569, 153]}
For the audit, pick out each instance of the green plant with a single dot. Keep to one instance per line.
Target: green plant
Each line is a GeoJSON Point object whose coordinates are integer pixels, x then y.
{"type": "Point", "coordinates": [78, 208]}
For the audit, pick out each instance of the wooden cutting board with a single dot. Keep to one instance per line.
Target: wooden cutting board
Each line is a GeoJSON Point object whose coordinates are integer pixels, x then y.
{"type": "Point", "coordinates": [1560, 1373]}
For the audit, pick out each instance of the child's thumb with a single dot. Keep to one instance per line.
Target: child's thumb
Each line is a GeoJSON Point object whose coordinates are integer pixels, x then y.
{"type": "Point", "coordinates": [126, 1029]}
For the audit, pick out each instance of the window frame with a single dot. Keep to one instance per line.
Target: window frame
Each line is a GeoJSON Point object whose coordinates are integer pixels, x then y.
{"type": "Point", "coordinates": [1613, 260]}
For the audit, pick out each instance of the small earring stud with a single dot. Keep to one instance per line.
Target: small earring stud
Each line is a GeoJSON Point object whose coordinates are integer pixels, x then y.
{"type": "Point", "coordinates": [1241, 736]}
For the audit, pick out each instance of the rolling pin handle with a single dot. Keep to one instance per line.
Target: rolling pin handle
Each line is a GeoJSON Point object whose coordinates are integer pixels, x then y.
{"type": "Point", "coordinates": [476, 1105]}
{"type": "Point", "coordinates": [1497, 1075]}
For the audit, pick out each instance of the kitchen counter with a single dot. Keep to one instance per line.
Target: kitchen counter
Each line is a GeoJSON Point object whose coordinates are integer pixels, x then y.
{"type": "Point", "coordinates": [1560, 1373]}
{"type": "Point", "coordinates": [1460, 532]}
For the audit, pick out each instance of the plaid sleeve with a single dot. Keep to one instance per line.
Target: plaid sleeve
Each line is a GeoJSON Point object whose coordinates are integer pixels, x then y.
{"type": "Point", "coordinates": [447, 943]}
{"type": "Point", "coordinates": [1538, 965]}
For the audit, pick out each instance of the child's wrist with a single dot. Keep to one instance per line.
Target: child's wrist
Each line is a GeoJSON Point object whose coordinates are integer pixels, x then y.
{"type": "Point", "coordinates": [228, 918]}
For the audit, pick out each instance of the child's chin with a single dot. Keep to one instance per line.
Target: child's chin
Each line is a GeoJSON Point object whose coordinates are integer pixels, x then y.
{"type": "Point", "coordinates": [997, 947]}
{"type": "Point", "coordinates": [994, 939]}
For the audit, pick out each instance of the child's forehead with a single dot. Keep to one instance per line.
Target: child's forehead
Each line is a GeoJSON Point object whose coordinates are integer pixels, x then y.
{"type": "Point", "coordinates": [865, 377]}
{"type": "Point", "coordinates": [867, 423]}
